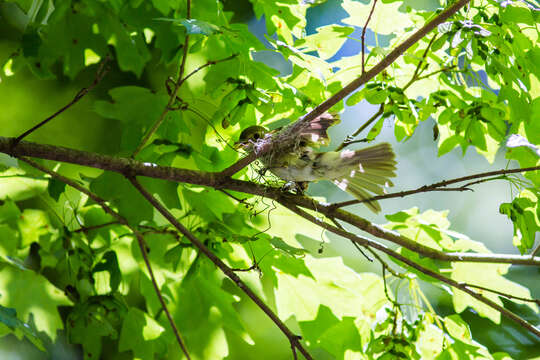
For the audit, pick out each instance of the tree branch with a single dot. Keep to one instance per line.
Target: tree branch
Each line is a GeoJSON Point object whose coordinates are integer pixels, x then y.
{"type": "Point", "coordinates": [132, 167]}
{"type": "Point", "coordinates": [140, 240]}
{"type": "Point", "coordinates": [293, 339]}
{"type": "Point", "coordinates": [355, 84]}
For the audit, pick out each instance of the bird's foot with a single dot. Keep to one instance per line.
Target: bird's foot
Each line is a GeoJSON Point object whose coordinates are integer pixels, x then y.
{"type": "Point", "coordinates": [296, 187]}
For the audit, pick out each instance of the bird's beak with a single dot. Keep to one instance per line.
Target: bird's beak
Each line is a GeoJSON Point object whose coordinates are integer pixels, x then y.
{"type": "Point", "coordinates": [240, 145]}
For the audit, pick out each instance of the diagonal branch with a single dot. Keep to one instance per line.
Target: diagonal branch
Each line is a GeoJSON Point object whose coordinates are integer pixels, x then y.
{"type": "Point", "coordinates": [132, 167]}
{"type": "Point", "coordinates": [140, 240]}
{"type": "Point", "coordinates": [101, 72]}
{"type": "Point", "coordinates": [441, 186]}
{"type": "Point", "coordinates": [293, 339]}
{"type": "Point", "coordinates": [355, 84]}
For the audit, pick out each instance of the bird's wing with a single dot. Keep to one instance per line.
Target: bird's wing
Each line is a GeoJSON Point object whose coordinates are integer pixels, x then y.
{"type": "Point", "coordinates": [315, 132]}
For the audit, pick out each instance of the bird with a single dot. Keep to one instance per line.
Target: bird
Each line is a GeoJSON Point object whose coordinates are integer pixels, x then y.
{"type": "Point", "coordinates": [363, 173]}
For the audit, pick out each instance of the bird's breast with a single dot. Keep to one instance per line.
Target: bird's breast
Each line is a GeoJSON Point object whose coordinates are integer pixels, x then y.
{"type": "Point", "coordinates": [295, 167]}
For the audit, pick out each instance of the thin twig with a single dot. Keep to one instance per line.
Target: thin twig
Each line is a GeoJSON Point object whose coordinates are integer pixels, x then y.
{"type": "Point", "coordinates": [374, 117]}
{"type": "Point", "coordinates": [186, 47]}
{"type": "Point", "coordinates": [501, 177]}
{"type": "Point", "coordinates": [536, 301]}
{"type": "Point", "coordinates": [535, 251]}
{"type": "Point", "coordinates": [101, 72]}
{"type": "Point", "coordinates": [212, 62]}
{"type": "Point", "coordinates": [172, 95]}
{"type": "Point", "coordinates": [385, 264]}
{"type": "Point", "coordinates": [122, 220]}
{"type": "Point", "coordinates": [440, 186]}
{"type": "Point", "coordinates": [86, 229]}
{"type": "Point", "coordinates": [426, 271]}
{"type": "Point", "coordinates": [445, 69]}
{"type": "Point", "coordinates": [355, 84]}
{"type": "Point", "coordinates": [414, 77]}
{"type": "Point", "coordinates": [358, 247]}
{"type": "Point", "coordinates": [199, 114]}
{"type": "Point", "coordinates": [363, 37]}
{"type": "Point", "coordinates": [293, 339]}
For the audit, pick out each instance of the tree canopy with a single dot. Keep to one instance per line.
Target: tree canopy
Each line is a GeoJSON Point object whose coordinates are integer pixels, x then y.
{"type": "Point", "coordinates": [139, 230]}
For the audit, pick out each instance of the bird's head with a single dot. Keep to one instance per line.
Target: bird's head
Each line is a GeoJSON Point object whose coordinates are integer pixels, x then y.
{"type": "Point", "coordinates": [250, 136]}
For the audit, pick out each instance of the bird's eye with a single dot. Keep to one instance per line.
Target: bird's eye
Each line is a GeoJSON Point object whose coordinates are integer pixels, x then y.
{"type": "Point", "coordinates": [302, 143]}
{"type": "Point", "coordinates": [256, 136]}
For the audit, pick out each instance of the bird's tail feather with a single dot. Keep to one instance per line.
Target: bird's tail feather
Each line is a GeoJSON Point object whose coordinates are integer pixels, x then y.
{"type": "Point", "coordinates": [376, 165]}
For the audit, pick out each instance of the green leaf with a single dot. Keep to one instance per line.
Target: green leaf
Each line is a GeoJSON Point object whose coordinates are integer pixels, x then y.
{"type": "Point", "coordinates": [31, 42]}
{"type": "Point", "coordinates": [524, 212]}
{"type": "Point", "coordinates": [375, 129]}
{"type": "Point", "coordinates": [94, 319]}
{"type": "Point", "coordinates": [9, 213]}
{"type": "Point", "coordinates": [376, 95]}
{"type": "Point", "coordinates": [24, 287]}
{"type": "Point", "coordinates": [333, 285]}
{"type": "Point", "coordinates": [207, 309]}
{"type": "Point", "coordinates": [8, 316]}
{"type": "Point", "coordinates": [514, 13]}
{"type": "Point", "coordinates": [33, 224]}
{"type": "Point", "coordinates": [488, 276]}
{"type": "Point", "coordinates": [55, 188]}
{"type": "Point", "coordinates": [282, 245]}
{"type": "Point", "coordinates": [116, 189]}
{"type": "Point", "coordinates": [109, 263]}
{"type": "Point", "coordinates": [195, 26]}
{"type": "Point", "coordinates": [17, 186]}
{"type": "Point", "coordinates": [341, 337]}
{"type": "Point", "coordinates": [457, 328]}
{"type": "Point", "coordinates": [142, 335]}
{"type": "Point", "coordinates": [136, 107]}
{"type": "Point", "coordinates": [355, 98]}
{"type": "Point", "coordinates": [326, 41]}
{"type": "Point", "coordinates": [386, 19]}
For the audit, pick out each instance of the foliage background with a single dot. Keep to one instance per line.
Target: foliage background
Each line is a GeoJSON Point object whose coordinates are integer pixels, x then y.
{"type": "Point", "coordinates": [24, 99]}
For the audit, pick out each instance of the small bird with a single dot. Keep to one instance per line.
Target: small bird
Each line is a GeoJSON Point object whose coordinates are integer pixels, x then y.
{"type": "Point", "coordinates": [361, 173]}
